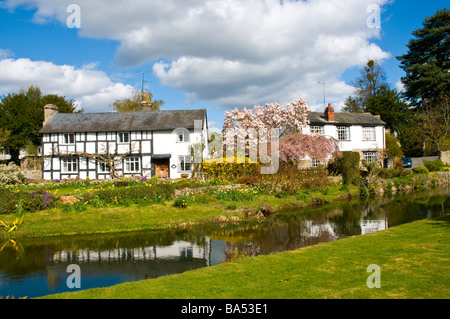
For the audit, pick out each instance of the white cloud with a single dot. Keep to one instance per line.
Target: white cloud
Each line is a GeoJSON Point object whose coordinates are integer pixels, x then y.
{"type": "Point", "coordinates": [91, 89]}
{"type": "Point", "coordinates": [232, 52]}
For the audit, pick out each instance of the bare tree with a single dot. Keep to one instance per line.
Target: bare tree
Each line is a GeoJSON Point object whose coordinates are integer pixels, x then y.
{"type": "Point", "coordinates": [436, 122]}
{"type": "Point", "coordinates": [110, 159]}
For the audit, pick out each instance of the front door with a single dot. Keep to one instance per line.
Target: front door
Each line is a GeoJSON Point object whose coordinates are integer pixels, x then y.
{"type": "Point", "coordinates": [162, 170]}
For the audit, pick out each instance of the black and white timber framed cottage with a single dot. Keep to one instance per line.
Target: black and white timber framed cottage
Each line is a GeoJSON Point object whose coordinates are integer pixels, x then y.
{"type": "Point", "coordinates": [144, 143]}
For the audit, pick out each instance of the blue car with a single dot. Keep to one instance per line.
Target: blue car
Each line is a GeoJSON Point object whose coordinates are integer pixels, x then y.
{"type": "Point", "coordinates": [407, 161]}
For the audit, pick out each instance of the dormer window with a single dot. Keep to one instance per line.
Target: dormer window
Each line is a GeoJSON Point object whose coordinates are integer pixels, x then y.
{"type": "Point", "coordinates": [182, 135]}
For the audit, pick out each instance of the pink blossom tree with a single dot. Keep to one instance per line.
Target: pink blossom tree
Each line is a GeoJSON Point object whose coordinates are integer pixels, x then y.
{"type": "Point", "coordinates": [296, 147]}
{"type": "Point", "coordinates": [291, 118]}
{"type": "Point", "coordinates": [258, 125]}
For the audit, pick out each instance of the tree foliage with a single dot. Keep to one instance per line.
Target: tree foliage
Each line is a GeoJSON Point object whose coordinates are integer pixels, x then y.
{"type": "Point", "coordinates": [427, 62]}
{"type": "Point", "coordinates": [427, 80]}
{"type": "Point", "coordinates": [296, 147]}
{"type": "Point", "coordinates": [23, 115]}
{"type": "Point", "coordinates": [372, 79]}
{"type": "Point", "coordinates": [257, 127]}
{"type": "Point", "coordinates": [136, 102]}
{"type": "Point", "coordinates": [393, 110]}
{"type": "Point", "coordinates": [393, 147]}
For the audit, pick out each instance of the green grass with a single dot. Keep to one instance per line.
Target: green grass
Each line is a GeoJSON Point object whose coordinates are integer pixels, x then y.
{"type": "Point", "coordinates": [413, 258]}
{"type": "Point", "coordinates": [56, 222]}
{"type": "Point", "coordinates": [67, 220]}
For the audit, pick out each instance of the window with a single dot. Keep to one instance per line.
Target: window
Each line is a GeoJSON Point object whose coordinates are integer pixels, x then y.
{"type": "Point", "coordinates": [182, 135]}
{"type": "Point", "coordinates": [70, 165]}
{"type": "Point", "coordinates": [69, 138]}
{"type": "Point", "coordinates": [368, 133]}
{"type": "Point", "coordinates": [343, 133]}
{"type": "Point", "coordinates": [124, 137]}
{"type": "Point", "coordinates": [317, 130]}
{"type": "Point", "coordinates": [370, 157]}
{"type": "Point", "coordinates": [103, 167]}
{"type": "Point", "coordinates": [132, 165]}
{"type": "Point", "coordinates": [316, 163]}
{"type": "Point", "coordinates": [184, 163]}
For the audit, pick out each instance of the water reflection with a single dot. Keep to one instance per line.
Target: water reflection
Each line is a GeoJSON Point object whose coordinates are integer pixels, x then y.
{"type": "Point", "coordinates": [38, 267]}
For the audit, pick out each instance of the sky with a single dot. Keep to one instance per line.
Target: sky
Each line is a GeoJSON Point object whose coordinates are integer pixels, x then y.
{"type": "Point", "coordinates": [203, 54]}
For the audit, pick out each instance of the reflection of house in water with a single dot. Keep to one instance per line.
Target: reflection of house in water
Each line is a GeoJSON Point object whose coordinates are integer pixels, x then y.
{"type": "Point", "coordinates": [374, 219]}
{"type": "Point", "coordinates": [370, 226]}
{"type": "Point", "coordinates": [324, 231]}
{"type": "Point", "coordinates": [140, 262]}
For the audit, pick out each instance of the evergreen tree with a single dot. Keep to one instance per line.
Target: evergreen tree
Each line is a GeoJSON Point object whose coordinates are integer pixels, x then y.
{"type": "Point", "coordinates": [392, 109]}
{"type": "Point", "coordinates": [427, 62]}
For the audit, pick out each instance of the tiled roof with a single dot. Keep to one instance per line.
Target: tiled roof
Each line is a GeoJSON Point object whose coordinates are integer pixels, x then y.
{"type": "Point", "coordinates": [122, 121]}
{"type": "Point", "coordinates": [343, 118]}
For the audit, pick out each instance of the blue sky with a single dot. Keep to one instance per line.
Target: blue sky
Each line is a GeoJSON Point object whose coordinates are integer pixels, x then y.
{"type": "Point", "coordinates": [202, 54]}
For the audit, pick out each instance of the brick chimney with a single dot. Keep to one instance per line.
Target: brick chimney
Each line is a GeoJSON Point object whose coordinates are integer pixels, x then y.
{"type": "Point", "coordinates": [49, 110]}
{"type": "Point", "coordinates": [146, 103]}
{"type": "Point", "coordinates": [329, 113]}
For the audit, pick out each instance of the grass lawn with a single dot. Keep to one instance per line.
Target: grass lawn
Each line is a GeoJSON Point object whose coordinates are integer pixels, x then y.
{"type": "Point", "coordinates": [413, 259]}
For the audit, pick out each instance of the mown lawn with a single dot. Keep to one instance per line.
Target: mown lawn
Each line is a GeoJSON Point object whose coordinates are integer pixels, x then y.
{"type": "Point", "coordinates": [413, 259]}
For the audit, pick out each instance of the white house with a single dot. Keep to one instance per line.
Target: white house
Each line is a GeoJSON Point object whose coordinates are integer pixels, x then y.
{"type": "Point", "coordinates": [144, 143]}
{"type": "Point", "coordinates": [358, 132]}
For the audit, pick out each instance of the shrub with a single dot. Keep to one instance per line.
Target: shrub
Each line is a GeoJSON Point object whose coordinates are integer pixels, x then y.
{"type": "Point", "coordinates": [133, 195]}
{"type": "Point", "coordinates": [348, 166]}
{"type": "Point", "coordinates": [8, 201]}
{"type": "Point", "coordinates": [230, 168]}
{"type": "Point", "coordinates": [11, 174]}
{"type": "Point", "coordinates": [38, 200]}
{"type": "Point", "coordinates": [96, 202]}
{"type": "Point", "coordinates": [389, 173]}
{"type": "Point", "coordinates": [181, 202]}
{"type": "Point", "coordinates": [434, 166]}
{"type": "Point", "coordinates": [420, 170]}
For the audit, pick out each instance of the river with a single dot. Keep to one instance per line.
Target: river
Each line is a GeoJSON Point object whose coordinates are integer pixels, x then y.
{"type": "Point", "coordinates": [39, 267]}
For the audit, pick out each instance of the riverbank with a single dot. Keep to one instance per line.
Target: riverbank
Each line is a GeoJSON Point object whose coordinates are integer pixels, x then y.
{"type": "Point", "coordinates": [412, 258]}
{"type": "Point", "coordinates": [110, 219]}
{"type": "Point", "coordinates": [228, 203]}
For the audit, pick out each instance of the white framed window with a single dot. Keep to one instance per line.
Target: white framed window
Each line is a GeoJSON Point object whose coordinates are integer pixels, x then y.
{"type": "Point", "coordinates": [317, 130]}
{"type": "Point", "coordinates": [123, 137]}
{"type": "Point", "coordinates": [343, 133]}
{"type": "Point", "coordinates": [69, 138]}
{"type": "Point", "coordinates": [69, 165]}
{"type": "Point", "coordinates": [368, 133]}
{"type": "Point", "coordinates": [316, 162]}
{"type": "Point", "coordinates": [182, 135]}
{"type": "Point", "coordinates": [370, 157]}
{"type": "Point", "coordinates": [184, 163]}
{"type": "Point", "coordinates": [132, 165]}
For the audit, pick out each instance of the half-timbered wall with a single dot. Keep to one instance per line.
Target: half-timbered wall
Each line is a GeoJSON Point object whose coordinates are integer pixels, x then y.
{"type": "Point", "coordinates": [55, 146]}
